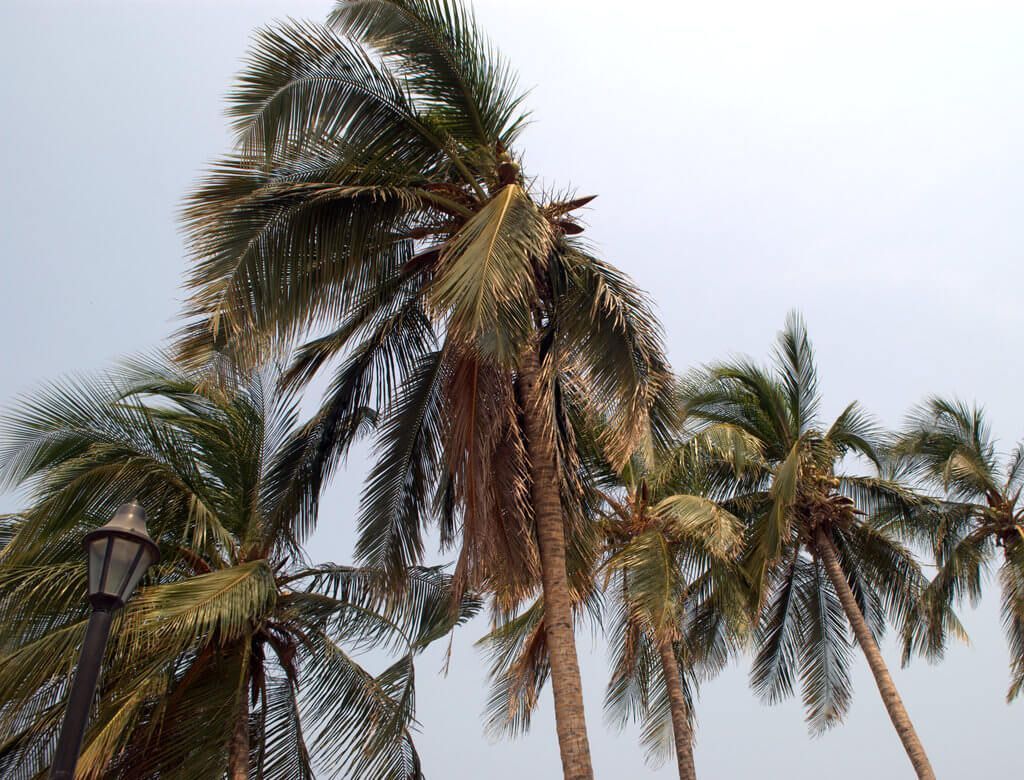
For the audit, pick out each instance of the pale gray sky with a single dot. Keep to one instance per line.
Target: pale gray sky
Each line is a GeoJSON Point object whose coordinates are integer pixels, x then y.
{"type": "Point", "coordinates": [859, 161]}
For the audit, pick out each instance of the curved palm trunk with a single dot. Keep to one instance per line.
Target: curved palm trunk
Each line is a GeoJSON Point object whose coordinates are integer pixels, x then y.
{"type": "Point", "coordinates": [558, 626]}
{"type": "Point", "coordinates": [681, 731]}
{"type": "Point", "coordinates": [886, 687]}
{"type": "Point", "coordinates": [238, 751]}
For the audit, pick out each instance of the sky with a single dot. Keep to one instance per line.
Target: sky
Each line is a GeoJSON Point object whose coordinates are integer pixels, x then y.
{"type": "Point", "coordinates": [860, 162]}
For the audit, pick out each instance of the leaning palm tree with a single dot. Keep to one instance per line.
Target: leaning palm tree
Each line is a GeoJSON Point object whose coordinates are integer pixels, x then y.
{"type": "Point", "coordinates": [376, 197]}
{"type": "Point", "coordinates": [949, 446]}
{"type": "Point", "coordinates": [236, 657]}
{"type": "Point", "coordinates": [822, 548]}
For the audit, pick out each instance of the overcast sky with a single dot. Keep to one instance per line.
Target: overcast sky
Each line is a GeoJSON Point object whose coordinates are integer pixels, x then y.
{"type": "Point", "coordinates": [859, 161]}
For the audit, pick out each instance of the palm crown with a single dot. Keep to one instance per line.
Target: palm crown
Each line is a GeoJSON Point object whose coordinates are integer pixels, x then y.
{"type": "Point", "coordinates": [949, 446]}
{"type": "Point", "coordinates": [209, 657]}
{"type": "Point", "coordinates": [376, 195]}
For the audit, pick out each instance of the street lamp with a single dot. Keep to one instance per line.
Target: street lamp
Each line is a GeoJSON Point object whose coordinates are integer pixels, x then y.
{"type": "Point", "coordinates": [119, 554]}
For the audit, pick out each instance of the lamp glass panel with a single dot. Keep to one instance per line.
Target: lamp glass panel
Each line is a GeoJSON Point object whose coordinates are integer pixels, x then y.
{"type": "Point", "coordinates": [97, 551]}
{"type": "Point", "coordinates": [132, 580]}
{"type": "Point", "coordinates": [122, 555]}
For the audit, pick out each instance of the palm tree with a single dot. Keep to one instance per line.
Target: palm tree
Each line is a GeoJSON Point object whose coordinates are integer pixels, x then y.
{"type": "Point", "coordinates": [236, 659]}
{"type": "Point", "coordinates": [662, 585]}
{"type": "Point", "coordinates": [668, 567]}
{"type": "Point", "coordinates": [949, 446]}
{"type": "Point", "coordinates": [821, 549]}
{"type": "Point", "coordinates": [375, 197]}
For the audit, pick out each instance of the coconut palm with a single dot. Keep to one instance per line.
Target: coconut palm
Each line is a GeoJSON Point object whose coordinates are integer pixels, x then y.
{"type": "Point", "coordinates": [675, 599]}
{"type": "Point", "coordinates": [822, 547]}
{"type": "Point", "coordinates": [376, 196]}
{"type": "Point", "coordinates": [236, 657]}
{"type": "Point", "coordinates": [949, 446]}
{"type": "Point", "coordinates": [663, 587]}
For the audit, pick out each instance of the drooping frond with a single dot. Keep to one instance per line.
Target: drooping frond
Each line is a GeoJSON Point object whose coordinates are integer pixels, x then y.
{"type": "Point", "coordinates": [825, 654]}
{"type": "Point", "coordinates": [485, 277]}
{"type": "Point", "coordinates": [1011, 577]}
{"type": "Point", "coordinates": [608, 331]}
{"type": "Point", "coordinates": [856, 432]}
{"type": "Point", "coordinates": [396, 499]}
{"type": "Point", "coordinates": [276, 254]}
{"type": "Point", "coordinates": [948, 443]}
{"type": "Point", "coordinates": [780, 632]}
{"type": "Point", "coordinates": [519, 669]}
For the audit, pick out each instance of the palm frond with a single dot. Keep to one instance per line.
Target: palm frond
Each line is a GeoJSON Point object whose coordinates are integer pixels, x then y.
{"type": "Point", "coordinates": [1011, 577]}
{"type": "Point", "coordinates": [780, 632]}
{"type": "Point", "coordinates": [484, 282]}
{"type": "Point", "coordinates": [306, 86]}
{"type": "Point", "coordinates": [453, 73]}
{"type": "Point", "coordinates": [797, 373]}
{"type": "Point", "coordinates": [396, 499]}
{"type": "Point", "coordinates": [825, 654]}
{"type": "Point", "coordinates": [609, 331]}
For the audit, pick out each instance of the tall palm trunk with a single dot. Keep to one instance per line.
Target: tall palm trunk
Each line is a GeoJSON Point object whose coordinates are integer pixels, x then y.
{"type": "Point", "coordinates": [886, 687]}
{"type": "Point", "coordinates": [570, 722]}
{"type": "Point", "coordinates": [238, 751]}
{"type": "Point", "coordinates": [681, 730]}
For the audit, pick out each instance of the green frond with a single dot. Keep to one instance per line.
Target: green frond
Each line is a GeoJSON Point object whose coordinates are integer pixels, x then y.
{"type": "Point", "coordinates": [797, 373]}
{"type": "Point", "coordinates": [606, 327]}
{"type": "Point", "coordinates": [418, 613]}
{"type": "Point", "coordinates": [396, 498]}
{"type": "Point", "coordinates": [222, 604]}
{"type": "Point", "coordinates": [360, 724]}
{"type": "Point", "coordinates": [306, 86]}
{"type": "Point", "coordinates": [273, 257]}
{"type": "Point", "coordinates": [780, 632]}
{"type": "Point", "coordinates": [453, 74]}
{"type": "Point", "coordinates": [702, 524]}
{"type": "Point", "coordinates": [824, 654]}
{"type": "Point", "coordinates": [286, 754]}
{"type": "Point", "coordinates": [649, 566]}
{"type": "Point", "coordinates": [772, 533]}
{"type": "Point", "coordinates": [949, 444]}
{"type": "Point", "coordinates": [856, 432]}
{"type": "Point", "coordinates": [730, 444]}
{"type": "Point", "coordinates": [746, 395]}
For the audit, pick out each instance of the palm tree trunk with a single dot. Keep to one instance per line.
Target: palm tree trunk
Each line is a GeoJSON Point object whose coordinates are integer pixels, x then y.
{"type": "Point", "coordinates": [570, 722]}
{"type": "Point", "coordinates": [238, 751]}
{"type": "Point", "coordinates": [886, 687]}
{"type": "Point", "coordinates": [681, 730]}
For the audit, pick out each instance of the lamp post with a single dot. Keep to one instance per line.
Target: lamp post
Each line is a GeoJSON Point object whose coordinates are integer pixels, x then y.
{"type": "Point", "coordinates": [119, 554]}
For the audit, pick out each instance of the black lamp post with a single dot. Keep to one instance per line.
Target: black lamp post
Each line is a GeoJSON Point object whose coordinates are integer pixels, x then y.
{"type": "Point", "coordinates": [119, 554]}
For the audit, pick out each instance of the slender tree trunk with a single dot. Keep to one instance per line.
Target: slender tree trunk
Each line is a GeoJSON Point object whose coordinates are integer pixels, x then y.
{"type": "Point", "coordinates": [681, 730]}
{"type": "Point", "coordinates": [558, 624]}
{"type": "Point", "coordinates": [238, 752]}
{"type": "Point", "coordinates": [886, 687]}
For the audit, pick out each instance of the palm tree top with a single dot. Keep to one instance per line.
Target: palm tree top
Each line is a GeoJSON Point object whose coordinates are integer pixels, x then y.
{"type": "Point", "coordinates": [948, 445]}
{"type": "Point", "coordinates": [784, 471]}
{"type": "Point", "coordinates": [233, 619]}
